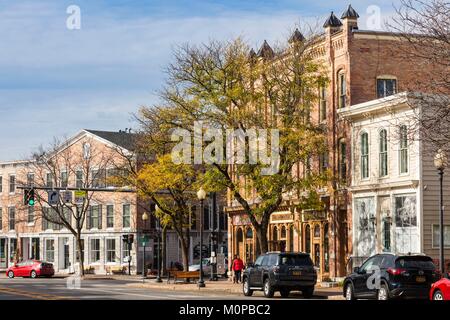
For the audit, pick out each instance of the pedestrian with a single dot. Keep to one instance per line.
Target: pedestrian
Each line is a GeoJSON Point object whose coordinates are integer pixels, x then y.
{"type": "Point", "coordinates": [237, 266]}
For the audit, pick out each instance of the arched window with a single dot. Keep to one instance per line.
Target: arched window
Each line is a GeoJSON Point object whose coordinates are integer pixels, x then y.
{"type": "Point", "coordinates": [308, 238]}
{"type": "Point", "coordinates": [283, 232]}
{"type": "Point", "coordinates": [275, 234]}
{"type": "Point", "coordinates": [403, 149]}
{"type": "Point", "coordinates": [342, 89]}
{"type": "Point", "coordinates": [383, 156]}
{"type": "Point", "coordinates": [364, 155]}
{"type": "Point", "coordinates": [316, 231]}
{"type": "Point", "coordinates": [239, 235]}
{"type": "Point", "coordinates": [249, 233]}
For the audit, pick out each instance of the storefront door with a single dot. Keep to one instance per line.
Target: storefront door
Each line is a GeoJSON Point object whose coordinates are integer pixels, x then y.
{"type": "Point", "coordinates": [3, 253]}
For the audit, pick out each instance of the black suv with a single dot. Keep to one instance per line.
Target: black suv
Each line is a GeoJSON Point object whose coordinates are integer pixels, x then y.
{"type": "Point", "coordinates": [386, 276]}
{"type": "Point", "coordinates": [284, 272]}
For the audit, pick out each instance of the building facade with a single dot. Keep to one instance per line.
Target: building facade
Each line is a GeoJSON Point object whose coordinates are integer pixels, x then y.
{"type": "Point", "coordinates": [394, 181]}
{"type": "Point", "coordinates": [362, 65]}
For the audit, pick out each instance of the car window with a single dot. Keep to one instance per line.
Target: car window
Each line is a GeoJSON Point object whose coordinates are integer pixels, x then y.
{"type": "Point", "coordinates": [258, 261]}
{"type": "Point", "coordinates": [273, 259]}
{"type": "Point", "coordinates": [296, 260]}
{"type": "Point", "coordinates": [265, 261]}
{"type": "Point", "coordinates": [387, 262]}
{"type": "Point", "coordinates": [415, 263]}
{"type": "Point", "coordinates": [369, 264]}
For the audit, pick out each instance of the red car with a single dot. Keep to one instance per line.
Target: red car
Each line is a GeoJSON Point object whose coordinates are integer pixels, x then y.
{"type": "Point", "coordinates": [440, 290]}
{"type": "Point", "coordinates": [30, 268]}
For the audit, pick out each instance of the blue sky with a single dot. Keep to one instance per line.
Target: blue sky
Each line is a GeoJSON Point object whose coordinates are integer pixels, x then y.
{"type": "Point", "coordinates": [55, 81]}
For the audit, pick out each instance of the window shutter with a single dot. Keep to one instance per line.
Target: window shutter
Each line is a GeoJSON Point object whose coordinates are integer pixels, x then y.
{"type": "Point", "coordinates": [88, 218]}
{"type": "Point", "coordinates": [99, 217]}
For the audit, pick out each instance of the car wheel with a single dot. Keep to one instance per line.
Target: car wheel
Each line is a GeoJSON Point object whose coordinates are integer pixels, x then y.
{"type": "Point", "coordinates": [285, 293]}
{"type": "Point", "coordinates": [437, 295]}
{"type": "Point", "coordinates": [33, 274]}
{"type": "Point", "coordinates": [268, 290]}
{"type": "Point", "coordinates": [10, 274]}
{"type": "Point", "coordinates": [383, 293]}
{"type": "Point", "coordinates": [308, 292]}
{"type": "Point", "coordinates": [246, 288]}
{"type": "Point", "coordinates": [349, 294]}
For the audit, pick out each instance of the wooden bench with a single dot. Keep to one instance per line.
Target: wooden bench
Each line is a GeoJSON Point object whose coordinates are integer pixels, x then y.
{"type": "Point", "coordinates": [187, 275]}
{"type": "Point", "coordinates": [115, 270]}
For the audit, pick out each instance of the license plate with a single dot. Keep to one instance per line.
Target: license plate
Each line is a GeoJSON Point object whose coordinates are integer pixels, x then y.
{"type": "Point", "coordinates": [421, 279]}
{"type": "Point", "coordinates": [296, 273]}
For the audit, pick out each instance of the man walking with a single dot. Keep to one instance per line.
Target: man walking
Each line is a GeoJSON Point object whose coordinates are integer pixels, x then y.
{"type": "Point", "coordinates": [237, 266]}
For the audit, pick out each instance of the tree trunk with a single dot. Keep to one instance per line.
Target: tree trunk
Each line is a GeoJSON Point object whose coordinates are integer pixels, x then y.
{"type": "Point", "coordinates": [261, 233]}
{"type": "Point", "coordinates": [185, 252]}
{"type": "Point", "coordinates": [163, 255]}
{"type": "Point", "coordinates": [80, 250]}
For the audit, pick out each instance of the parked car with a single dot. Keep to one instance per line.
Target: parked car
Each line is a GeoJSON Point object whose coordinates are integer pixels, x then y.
{"type": "Point", "coordinates": [207, 267]}
{"type": "Point", "coordinates": [283, 272]}
{"type": "Point", "coordinates": [400, 276]}
{"type": "Point", "coordinates": [440, 290]}
{"type": "Point", "coordinates": [30, 268]}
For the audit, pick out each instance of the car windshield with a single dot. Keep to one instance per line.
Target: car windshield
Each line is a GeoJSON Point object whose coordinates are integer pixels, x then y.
{"type": "Point", "coordinates": [415, 263]}
{"type": "Point", "coordinates": [295, 260]}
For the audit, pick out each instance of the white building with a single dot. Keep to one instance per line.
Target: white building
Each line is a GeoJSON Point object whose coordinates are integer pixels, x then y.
{"type": "Point", "coordinates": [394, 185]}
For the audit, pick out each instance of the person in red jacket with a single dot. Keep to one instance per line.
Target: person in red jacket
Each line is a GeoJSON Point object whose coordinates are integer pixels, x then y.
{"type": "Point", "coordinates": [237, 266]}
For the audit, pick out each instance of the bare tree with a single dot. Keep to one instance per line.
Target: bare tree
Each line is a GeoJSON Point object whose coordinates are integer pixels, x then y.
{"type": "Point", "coordinates": [60, 166]}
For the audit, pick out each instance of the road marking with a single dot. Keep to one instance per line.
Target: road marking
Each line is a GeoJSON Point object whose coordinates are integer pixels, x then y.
{"type": "Point", "coordinates": [30, 294]}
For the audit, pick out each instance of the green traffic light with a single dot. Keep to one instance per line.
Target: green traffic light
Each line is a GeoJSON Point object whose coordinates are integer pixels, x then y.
{"type": "Point", "coordinates": [31, 202]}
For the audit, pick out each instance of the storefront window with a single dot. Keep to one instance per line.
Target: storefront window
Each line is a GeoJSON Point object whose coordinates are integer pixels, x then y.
{"type": "Point", "coordinates": [308, 238]}
{"type": "Point", "coordinates": [50, 250]}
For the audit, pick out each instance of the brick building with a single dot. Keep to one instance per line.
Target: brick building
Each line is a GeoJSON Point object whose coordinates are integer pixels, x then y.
{"type": "Point", "coordinates": [362, 65]}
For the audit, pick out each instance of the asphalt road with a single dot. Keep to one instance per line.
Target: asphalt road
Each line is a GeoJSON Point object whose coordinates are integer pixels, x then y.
{"type": "Point", "coordinates": [98, 289]}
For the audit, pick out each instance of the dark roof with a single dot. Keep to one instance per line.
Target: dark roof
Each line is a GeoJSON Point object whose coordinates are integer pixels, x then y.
{"type": "Point", "coordinates": [121, 138]}
{"type": "Point", "coordinates": [350, 13]}
{"type": "Point", "coordinates": [296, 36]}
{"type": "Point", "coordinates": [251, 54]}
{"type": "Point", "coordinates": [332, 21]}
{"type": "Point", "coordinates": [266, 51]}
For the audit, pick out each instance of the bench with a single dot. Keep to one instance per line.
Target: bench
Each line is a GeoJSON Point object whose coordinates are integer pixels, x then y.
{"type": "Point", "coordinates": [115, 270]}
{"type": "Point", "coordinates": [187, 275]}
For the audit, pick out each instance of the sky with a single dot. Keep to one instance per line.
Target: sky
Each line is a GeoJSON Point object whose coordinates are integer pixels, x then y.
{"type": "Point", "coordinates": [55, 80]}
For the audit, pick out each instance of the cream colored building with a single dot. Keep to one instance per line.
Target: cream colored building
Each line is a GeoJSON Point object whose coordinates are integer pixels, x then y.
{"type": "Point", "coordinates": [394, 182]}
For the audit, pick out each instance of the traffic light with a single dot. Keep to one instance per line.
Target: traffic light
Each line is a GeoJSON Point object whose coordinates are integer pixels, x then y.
{"type": "Point", "coordinates": [125, 238]}
{"type": "Point", "coordinates": [131, 238]}
{"type": "Point", "coordinates": [28, 197]}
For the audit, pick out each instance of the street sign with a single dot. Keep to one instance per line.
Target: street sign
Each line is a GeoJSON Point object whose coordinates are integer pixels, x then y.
{"type": "Point", "coordinates": [67, 196]}
{"type": "Point", "coordinates": [144, 240]}
{"type": "Point", "coordinates": [53, 198]}
{"type": "Point", "coordinates": [80, 196]}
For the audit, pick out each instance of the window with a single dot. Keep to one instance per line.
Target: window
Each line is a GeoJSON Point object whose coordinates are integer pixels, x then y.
{"type": "Point", "coordinates": [383, 156]}
{"type": "Point", "coordinates": [364, 155]}
{"type": "Point", "coordinates": [94, 217]}
{"type": "Point", "coordinates": [386, 87]}
{"type": "Point", "coordinates": [98, 178]}
{"type": "Point", "coordinates": [206, 218]}
{"type": "Point", "coordinates": [30, 217]}
{"type": "Point", "coordinates": [12, 184]}
{"type": "Point", "coordinates": [1, 219]}
{"type": "Point", "coordinates": [1, 184]}
{"type": "Point", "coordinates": [49, 250]}
{"type": "Point", "coordinates": [110, 216]}
{"type": "Point", "coordinates": [79, 179]}
{"type": "Point", "coordinates": [323, 162]}
{"type": "Point", "coordinates": [64, 179]}
{"type": "Point", "coordinates": [86, 151]}
{"type": "Point", "coordinates": [30, 179]}
{"type": "Point", "coordinates": [126, 216]}
{"type": "Point", "coordinates": [342, 160]}
{"type": "Point", "coordinates": [49, 180]}
{"type": "Point", "coordinates": [403, 149]}
{"type": "Point", "coordinates": [387, 235]}
{"type": "Point", "coordinates": [111, 250]}
{"type": "Point", "coordinates": [436, 236]}
{"type": "Point", "coordinates": [322, 103]}
{"type": "Point", "coordinates": [12, 218]}
{"type": "Point", "coordinates": [342, 89]}
{"type": "Point", "coordinates": [95, 250]}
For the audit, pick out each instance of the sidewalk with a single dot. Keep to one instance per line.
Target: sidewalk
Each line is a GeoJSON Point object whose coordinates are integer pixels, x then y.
{"type": "Point", "coordinates": [223, 286]}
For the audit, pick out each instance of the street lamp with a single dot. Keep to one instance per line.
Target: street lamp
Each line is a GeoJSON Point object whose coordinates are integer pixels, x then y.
{"type": "Point", "coordinates": [144, 220]}
{"type": "Point", "coordinates": [158, 276]}
{"type": "Point", "coordinates": [440, 162]}
{"type": "Point", "coordinates": [201, 195]}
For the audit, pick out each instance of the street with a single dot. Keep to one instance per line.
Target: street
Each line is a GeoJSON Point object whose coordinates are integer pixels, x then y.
{"type": "Point", "coordinates": [106, 289]}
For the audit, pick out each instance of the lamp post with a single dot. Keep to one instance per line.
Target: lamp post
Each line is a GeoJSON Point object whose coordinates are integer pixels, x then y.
{"type": "Point", "coordinates": [158, 276]}
{"type": "Point", "coordinates": [440, 162]}
{"type": "Point", "coordinates": [201, 195]}
{"type": "Point", "coordinates": [144, 220]}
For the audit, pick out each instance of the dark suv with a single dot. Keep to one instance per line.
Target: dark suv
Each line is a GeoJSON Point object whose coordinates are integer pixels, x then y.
{"type": "Point", "coordinates": [283, 272]}
{"type": "Point", "coordinates": [386, 276]}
